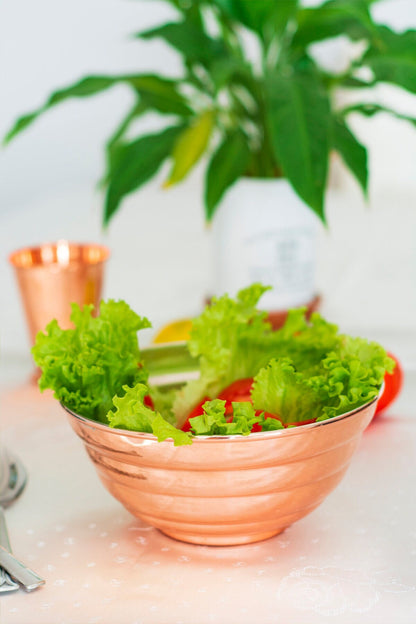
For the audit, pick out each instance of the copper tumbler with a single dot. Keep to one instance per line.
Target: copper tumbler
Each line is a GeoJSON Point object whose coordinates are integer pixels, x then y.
{"type": "Point", "coordinates": [53, 275]}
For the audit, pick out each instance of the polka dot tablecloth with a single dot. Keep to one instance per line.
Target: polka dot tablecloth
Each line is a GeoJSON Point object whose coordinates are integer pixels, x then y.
{"type": "Point", "coordinates": [352, 560]}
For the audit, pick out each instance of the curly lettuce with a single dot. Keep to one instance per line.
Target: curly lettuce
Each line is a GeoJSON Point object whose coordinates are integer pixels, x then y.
{"type": "Point", "coordinates": [227, 338]}
{"type": "Point", "coordinates": [214, 420]}
{"type": "Point", "coordinates": [340, 382]}
{"type": "Point", "coordinates": [306, 370]}
{"type": "Point", "coordinates": [281, 390]}
{"type": "Point", "coordinates": [351, 376]}
{"type": "Point", "coordinates": [132, 414]}
{"type": "Point", "coordinates": [233, 340]}
{"type": "Point", "coordinates": [88, 365]}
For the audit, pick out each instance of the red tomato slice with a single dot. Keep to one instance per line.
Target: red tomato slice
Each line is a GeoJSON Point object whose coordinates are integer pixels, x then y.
{"type": "Point", "coordinates": [304, 422]}
{"type": "Point", "coordinates": [392, 385]}
{"type": "Point", "coordinates": [148, 401]}
{"type": "Point", "coordinates": [240, 392]}
{"type": "Point", "coordinates": [237, 391]}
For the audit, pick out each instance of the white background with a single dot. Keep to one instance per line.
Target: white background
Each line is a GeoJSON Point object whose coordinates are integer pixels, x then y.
{"type": "Point", "coordinates": [160, 247]}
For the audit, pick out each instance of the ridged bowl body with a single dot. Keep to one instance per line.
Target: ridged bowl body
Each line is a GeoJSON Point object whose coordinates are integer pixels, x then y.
{"type": "Point", "coordinates": [224, 490]}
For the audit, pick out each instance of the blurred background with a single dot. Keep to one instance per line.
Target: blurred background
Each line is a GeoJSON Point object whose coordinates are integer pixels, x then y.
{"type": "Point", "coordinates": [160, 245]}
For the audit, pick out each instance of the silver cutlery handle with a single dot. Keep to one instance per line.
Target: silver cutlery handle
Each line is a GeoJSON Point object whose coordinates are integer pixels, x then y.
{"type": "Point", "coordinates": [6, 582]}
{"type": "Point", "coordinates": [4, 535]}
{"type": "Point", "coordinates": [17, 570]}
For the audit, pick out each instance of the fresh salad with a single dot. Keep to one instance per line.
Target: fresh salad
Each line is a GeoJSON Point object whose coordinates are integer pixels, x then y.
{"type": "Point", "coordinates": [252, 378]}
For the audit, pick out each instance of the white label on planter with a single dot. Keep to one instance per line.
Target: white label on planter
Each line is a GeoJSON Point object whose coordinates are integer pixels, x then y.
{"type": "Point", "coordinates": [264, 233]}
{"type": "Point", "coordinates": [283, 259]}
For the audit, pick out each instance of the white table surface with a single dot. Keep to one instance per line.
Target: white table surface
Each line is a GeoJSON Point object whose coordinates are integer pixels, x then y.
{"type": "Point", "coordinates": [353, 559]}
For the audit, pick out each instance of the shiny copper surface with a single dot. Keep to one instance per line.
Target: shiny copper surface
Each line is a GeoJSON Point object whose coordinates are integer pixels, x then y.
{"type": "Point", "coordinates": [224, 490]}
{"type": "Point", "coordinates": [52, 276]}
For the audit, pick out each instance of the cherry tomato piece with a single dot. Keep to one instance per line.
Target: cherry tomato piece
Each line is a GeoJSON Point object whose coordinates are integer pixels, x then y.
{"type": "Point", "coordinates": [237, 391]}
{"type": "Point", "coordinates": [303, 422]}
{"type": "Point", "coordinates": [148, 401]}
{"type": "Point", "coordinates": [256, 428]}
{"type": "Point", "coordinates": [393, 383]}
{"type": "Point", "coordinates": [240, 392]}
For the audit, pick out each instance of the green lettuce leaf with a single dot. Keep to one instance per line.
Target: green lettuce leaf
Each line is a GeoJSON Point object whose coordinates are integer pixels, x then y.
{"type": "Point", "coordinates": [132, 414]}
{"type": "Point", "coordinates": [306, 370]}
{"type": "Point", "coordinates": [269, 424]}
{"type": "Point", "coordinates": [304, 342]}
{"type": "Point", "coordinates": [350, 377]}
{"type": "Point", "coordinates": [233, 340]}
{"type": "Point", "coordinates": [279, 389]}
{"type": "Point", "coordinates": [163, 401]}
{"type": "Point", "coordinates": [339, 382]}
{"type": "Point", "coordinates": [214, 421]}
{"type": "Point", "coordinates": [222, 337]}
{"type": "Point", "coordinates": [88, 365]}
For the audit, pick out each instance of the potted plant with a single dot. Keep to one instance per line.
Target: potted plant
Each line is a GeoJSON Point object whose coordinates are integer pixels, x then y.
{"type": "Point", "coordinates": [265, 121]}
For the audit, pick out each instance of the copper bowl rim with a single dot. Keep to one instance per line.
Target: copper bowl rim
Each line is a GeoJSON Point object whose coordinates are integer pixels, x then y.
{"type": "Point", "coordinates": [15, 255]}
{"type": "Point", "coordinates": [259, 436]}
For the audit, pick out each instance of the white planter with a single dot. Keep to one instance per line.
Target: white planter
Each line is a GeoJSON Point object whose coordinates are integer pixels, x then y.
{"type": "Point", "coordinates": [263, 232]}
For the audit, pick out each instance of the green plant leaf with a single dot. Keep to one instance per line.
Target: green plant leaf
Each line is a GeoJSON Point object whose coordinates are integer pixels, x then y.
{"type": "Point", "coordinates": [139, 109]}
{"type": "Point", "coordinates": [192, 42]}
{"type": "Point", "coordinates": [188, 7]}
{"type": "Point", "coordinates": [352, 82]}
{"type": "Point", "coordinates": [259, 14]}
{"type": "Point", "coordinates": [84, 88]}
{"type": "Point", "coordinates": [369, 110]}
{"type": "Point", "coordinates": [333, 18]}
{"type": "Point", "coordinates": [351, 151]}
{"type": "Point", "coordinates": [228, 70]}
{"type": "Point", "coordinates": [135, 163]}
{"type": "Point", "coordinates": [299, 120]}
{"type": "Point", "coordinates": [159, 93]}
{"type": "Point", "coordinates": [114, 143]}
{"type": "Point", "coordinates": [393, 59]}
{"type": "Point", "coordinates": [190, 146]}
{"type": "Point", "coordinates": [227, 164]}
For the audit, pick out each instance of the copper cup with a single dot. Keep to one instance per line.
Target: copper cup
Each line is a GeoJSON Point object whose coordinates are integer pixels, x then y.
{"type": "Point", "coordinates": [53, 275]}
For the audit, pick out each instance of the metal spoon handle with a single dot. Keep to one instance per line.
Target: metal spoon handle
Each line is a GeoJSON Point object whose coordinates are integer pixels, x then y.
{"type": "Point", "coordinates": [4, 535]}
{"type": "Point", "coordinates": [6, 583]}
{"type": "Point", "coordinates": [17, 570]}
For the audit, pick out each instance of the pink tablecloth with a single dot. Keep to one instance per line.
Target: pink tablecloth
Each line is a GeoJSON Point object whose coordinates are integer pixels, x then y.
{"type": "Point", "coordinates": [353, 559]}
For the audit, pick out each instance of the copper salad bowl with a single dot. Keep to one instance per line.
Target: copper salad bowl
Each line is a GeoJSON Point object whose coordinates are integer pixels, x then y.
{"type": "Point", "coordinates": [221, 490]}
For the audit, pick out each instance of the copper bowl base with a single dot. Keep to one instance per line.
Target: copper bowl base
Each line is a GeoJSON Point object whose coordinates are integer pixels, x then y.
{"type": "Point", "coordinates": [224, 490]}
{"type": "Point", "coordinates": [215, 540]}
